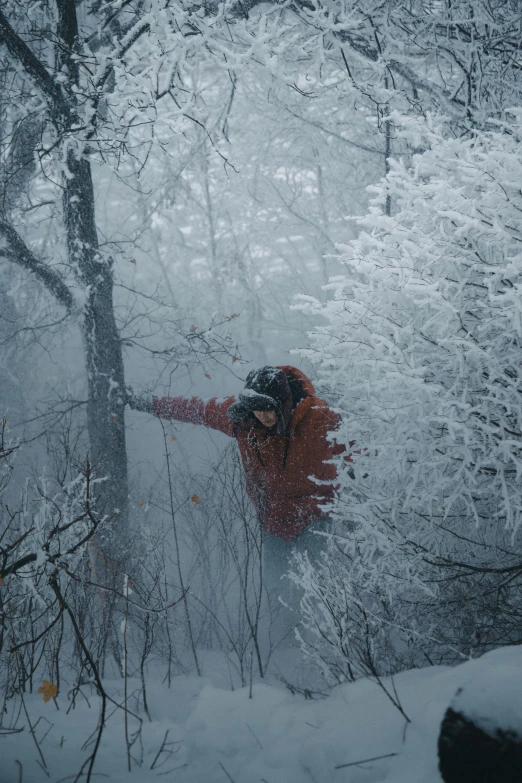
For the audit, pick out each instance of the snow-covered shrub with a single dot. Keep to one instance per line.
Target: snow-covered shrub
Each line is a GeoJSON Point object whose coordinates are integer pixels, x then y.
{"type": "Point", "coordinates": [421, 354]}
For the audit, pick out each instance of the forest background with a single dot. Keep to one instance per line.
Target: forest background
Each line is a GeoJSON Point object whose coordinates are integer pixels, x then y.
{"type": "Point", "coordinates": [185, 197]}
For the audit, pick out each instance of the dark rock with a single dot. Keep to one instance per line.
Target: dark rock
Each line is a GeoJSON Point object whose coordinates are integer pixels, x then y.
{"type": "Point", "coordinates": [472, 749]}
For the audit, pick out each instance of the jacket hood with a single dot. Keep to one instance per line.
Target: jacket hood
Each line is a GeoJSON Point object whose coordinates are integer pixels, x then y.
{"type": "Point", "coordinates": [307, 403]}
{"type": "Point", "coordinates": [300, 376]}
{"type": "Point", "coordinates": [283, 389]}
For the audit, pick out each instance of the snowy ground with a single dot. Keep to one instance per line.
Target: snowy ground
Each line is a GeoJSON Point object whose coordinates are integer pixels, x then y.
{"type": "Point", "coordinates": [219, 735]}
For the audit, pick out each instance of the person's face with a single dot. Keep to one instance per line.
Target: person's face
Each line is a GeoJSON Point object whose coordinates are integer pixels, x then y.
{"type": "Point", "coordinates": [267, 418]}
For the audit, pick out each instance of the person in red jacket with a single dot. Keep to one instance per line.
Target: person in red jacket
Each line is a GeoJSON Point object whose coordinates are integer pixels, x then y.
{"type": "Point", "coordinates": [281, 429]}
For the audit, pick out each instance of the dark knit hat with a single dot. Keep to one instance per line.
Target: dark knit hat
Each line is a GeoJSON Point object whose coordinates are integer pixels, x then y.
{"type": "Point", "coordinates": [266, 389]}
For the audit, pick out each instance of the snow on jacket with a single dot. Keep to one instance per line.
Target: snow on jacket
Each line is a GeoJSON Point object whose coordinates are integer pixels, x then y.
{"type": "Point", "coordinates": [278, 468]}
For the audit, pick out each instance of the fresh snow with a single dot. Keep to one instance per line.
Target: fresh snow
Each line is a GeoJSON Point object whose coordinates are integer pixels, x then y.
{"type": "Point", "coordinates": [218, 734]}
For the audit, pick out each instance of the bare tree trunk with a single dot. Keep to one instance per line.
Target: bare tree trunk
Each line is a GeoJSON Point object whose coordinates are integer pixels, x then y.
{"type": "Point", "coordinates": [103, 351]}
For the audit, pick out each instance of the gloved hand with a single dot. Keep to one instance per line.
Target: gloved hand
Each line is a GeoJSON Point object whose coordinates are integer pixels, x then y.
{"type": "Point", "coordinates": [136, 402]}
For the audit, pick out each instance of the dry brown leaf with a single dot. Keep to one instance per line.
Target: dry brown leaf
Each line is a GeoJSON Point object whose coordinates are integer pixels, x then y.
{"type": "Point", "coordinates": [195, 499]}
{"type": "Point", "coordinates": [141, 503]}
{"type": "Point", "coordinates": [208, 376]}
{"type": "Point", "coordinates": [234, 359]}
{"type": "Point", "coordinates": [173, 437]}
{"type": "Point", "coordinates": [132, 260]}
{"type": "Point", "coordinates": [112, 418]}
{"type": "Point", "coordinates": [48, 689]}
{"type": "Point", "coordinates": [1, 581]}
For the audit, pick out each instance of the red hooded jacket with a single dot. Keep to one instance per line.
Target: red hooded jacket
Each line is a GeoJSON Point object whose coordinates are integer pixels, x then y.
{"type": "Point", "coordinates": [278, 468]}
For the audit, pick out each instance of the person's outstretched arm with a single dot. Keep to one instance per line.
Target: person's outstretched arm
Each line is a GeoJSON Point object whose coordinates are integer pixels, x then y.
{"type": "Point", "coordinates": [210, 413]}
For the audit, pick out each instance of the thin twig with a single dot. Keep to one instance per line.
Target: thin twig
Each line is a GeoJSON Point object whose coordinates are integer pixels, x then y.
{"type": "Point", "coordinates": [226, 773]}
{"type": "Point", "coordinates": [365, 761]}
{"type": "Point", "coordinates": [33, 735]}
{"type": "Point", "coordinates": [96, 674]}
{"type": "Point", "coordinates": [178, 558]}
{"type": "Point", "coordinates": [254, 736]}
{"type": "Point", "coordinates": [125, 672]}
{"type": "Point", "coordinates": [160, 750]}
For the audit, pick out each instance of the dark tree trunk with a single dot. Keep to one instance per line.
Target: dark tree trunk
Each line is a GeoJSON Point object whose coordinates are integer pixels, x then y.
{"type": "Point", "coordinates": [103, 351]}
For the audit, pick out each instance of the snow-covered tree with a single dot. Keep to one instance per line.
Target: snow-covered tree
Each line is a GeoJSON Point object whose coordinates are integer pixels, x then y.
{"type": "Point", "coordinates": [90, 81]}
{"type": "Point", "coordinates": [461, 57]}
{"type": "Point", "coordinates": [422, 353]}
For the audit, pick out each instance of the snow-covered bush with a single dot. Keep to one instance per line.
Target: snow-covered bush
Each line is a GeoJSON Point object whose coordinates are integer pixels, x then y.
{"type": "Point", "coordinates": [421, 354]}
